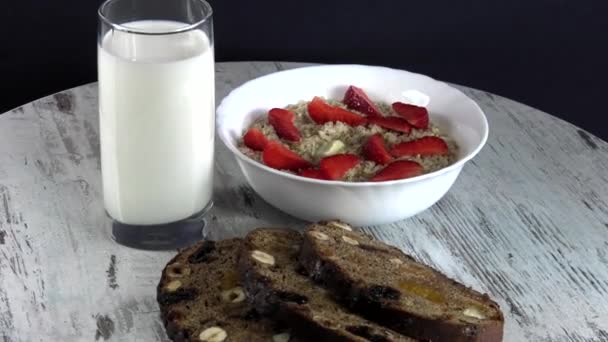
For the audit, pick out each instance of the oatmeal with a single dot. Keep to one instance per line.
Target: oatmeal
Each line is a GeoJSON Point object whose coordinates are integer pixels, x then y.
{"type": "Point", "coordinates": [315, 140]}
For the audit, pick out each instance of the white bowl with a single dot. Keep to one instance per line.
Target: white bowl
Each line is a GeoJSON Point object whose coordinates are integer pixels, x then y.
{"type": "Point", "coordinates": [364, 203]}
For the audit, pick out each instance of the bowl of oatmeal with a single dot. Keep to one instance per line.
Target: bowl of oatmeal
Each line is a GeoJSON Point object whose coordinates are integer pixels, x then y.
{"type": "Point", "coordinates": [364, 144]}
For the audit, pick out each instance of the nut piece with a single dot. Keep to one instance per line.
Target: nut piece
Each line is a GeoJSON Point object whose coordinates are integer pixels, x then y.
{"type": "Point", "coordinates": [177, 270]}
{"type": "Point", "coordinates": [213, 334]}
{"type": "Point", "coordinates": [331, 148]}
{"type": "Point", "coordinates": [283, 337]}
{"type": "Point", "coordinates": [263, 257]}
{"type": "Point", "coordinates": [396, 261]}
{"type": "Point", "coordinates": [319, 235]}
{"type": "Point", "coordinates": [350, 240]}
{"type": "Point", "coordinates": [473, 312]}
{"type": "Point", "coordinates": [234, 295]}
{"type": "Point", "coordinates": [173, 285]}
{"type": "Point", "coordinates": [340, 225]}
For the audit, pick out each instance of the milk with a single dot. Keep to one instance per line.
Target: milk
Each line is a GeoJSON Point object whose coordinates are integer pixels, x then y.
{"type": "Point", "coordinates": [157, 119]}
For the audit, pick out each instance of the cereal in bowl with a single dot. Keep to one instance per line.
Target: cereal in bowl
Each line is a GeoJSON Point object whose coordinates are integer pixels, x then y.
{"type": "Point", "coordinates": [353, 140]}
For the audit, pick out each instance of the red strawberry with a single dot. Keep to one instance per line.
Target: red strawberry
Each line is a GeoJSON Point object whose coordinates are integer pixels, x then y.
{"type": "Point", "coordinates": [375, 150]}
{"type": "Point", "coordinates": [312, 173]}
{"type": "Point", "coordinates": [282, 121]}
{"type": "Point", "coordinates": [399, 169]}
{"type": "Point", "coordinates": [356, 99]}
{"type": "Point", "coordinates": [391, 122]}
{"type": "Point", "coordinates": [255, 139]}
{"type": "Point", "coordinates": [424, 146]}
{"type": "Point", "coordinates": [280, 157]}
{"type": "Point", "coordinates": [416, 116]}
{"type": "Point", "coordinates": [321, 112]}
{"type": "Point", "coordinates": [336, 166]}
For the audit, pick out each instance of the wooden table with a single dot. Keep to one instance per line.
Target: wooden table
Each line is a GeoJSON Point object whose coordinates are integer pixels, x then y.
{"type": "Point", "coordinates": [527, 222]}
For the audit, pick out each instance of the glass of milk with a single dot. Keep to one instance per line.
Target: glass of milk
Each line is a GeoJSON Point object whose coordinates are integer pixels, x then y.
{"type": "Point", "coordinates": [157, 119]}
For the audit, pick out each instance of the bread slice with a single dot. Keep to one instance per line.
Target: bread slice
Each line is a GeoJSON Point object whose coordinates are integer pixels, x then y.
{"type": "Point", "coordinates": [387, 286]}
{"type": "Point", "coordinates": [279, 287]}
{"type": "Point", "coordinates": [201, 299]}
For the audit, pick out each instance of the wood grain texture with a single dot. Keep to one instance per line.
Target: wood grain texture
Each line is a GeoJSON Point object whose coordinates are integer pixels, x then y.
{"type": "Point", "coordinates": [527, 222]}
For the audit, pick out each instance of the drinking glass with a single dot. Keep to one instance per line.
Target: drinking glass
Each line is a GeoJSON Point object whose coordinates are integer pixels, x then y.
{"type": "Point", "coordinates": [157, 119]}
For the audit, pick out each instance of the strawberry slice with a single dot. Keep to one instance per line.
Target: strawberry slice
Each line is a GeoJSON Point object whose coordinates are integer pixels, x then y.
{"type": "Point", "coordinates": [255, 139]}
{"type": "Point", "coordinates": [416, 116]}
{"type": "Point", "coordinates": [356, 99]}
{"type": "Point", "coordinates": [282, 121]}
{"type": "Point", "coordinates": [391, 122]}
{"type": "Point", "coordinates": [425, 146]}
{"type": "Point", "coordinates": [375, 150]}
{"type": "Point", "coordinates": [280, 157]}
{"type": "Point", "coordinates": [399, 169]}
{"type": "Point", "coordinates": [312, 173]}
{"type": "Point", "coordinates": [321, 112]}
{"type": "Point", "coordinates": [336, 166]}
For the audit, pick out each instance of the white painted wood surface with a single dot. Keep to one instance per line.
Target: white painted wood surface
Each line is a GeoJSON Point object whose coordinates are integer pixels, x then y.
{"type": "Point", "coordinates": [527, 222]}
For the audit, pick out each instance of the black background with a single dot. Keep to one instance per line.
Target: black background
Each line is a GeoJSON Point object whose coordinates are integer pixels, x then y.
{"type": "Point", "coordinates": [550, 54]}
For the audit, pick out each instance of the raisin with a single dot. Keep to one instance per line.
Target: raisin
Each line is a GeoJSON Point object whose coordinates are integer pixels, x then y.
{"type": "Point", "coordinates": [174, 315]}
{"type": "Point", "coordinates": [251, 315]}
{"type": "Point", "coordinates": [402, 322]}
{"type": "Point", "coordinates": [177, 296]}
{"type": "Point", "coordinates": [301, 271]}
{"type": "Point", "coordinates": [366, 332]}
{"type": "Point", "coordinates": [279, 327]}
{"type": "Point", "coordinates": [292, 297]}
{"type": "Point", "coordinates": [202, 322]}
{"type": "Point", "coordinates": [379, 292]}
{"type": "Point", "coordinates": [202, 253]}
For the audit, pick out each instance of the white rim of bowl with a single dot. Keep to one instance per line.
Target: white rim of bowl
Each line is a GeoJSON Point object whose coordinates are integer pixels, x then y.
{"type": "Point", "coordinates": [459, 163]}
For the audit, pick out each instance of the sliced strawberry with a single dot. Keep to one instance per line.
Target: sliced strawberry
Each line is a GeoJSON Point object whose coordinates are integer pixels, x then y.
{"type": "Point", "coordinates": [399, 169]}
{"type": "Point", "coordinates": [312, 173]}
{"type": "Point", "coordinates": [356, 99]}
{"type": "Point", "coordinates": [282, 121]}
{"type": "Point", "coordinates": [392, 122]}
{"type": "Point", "coordinates": [255, 139]}
{"type": "Point", "coordinates": [321, 112]}
{"type": "Point", "coordinates": [424, 146]}
{"type": "Point", "coordinates": [416, 116]}
{"type": "Point", "coordinates": [375, 150]}
{"type": "Point", "coordinates": [336, 166]}
{"type": "Point", "coordinates": [280, 157]}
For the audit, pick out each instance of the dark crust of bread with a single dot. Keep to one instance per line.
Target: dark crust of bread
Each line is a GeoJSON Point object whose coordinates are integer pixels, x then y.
{"type": "Point", "coordinates": [207, 260]}
{"type": "Point", "coordinates": [357, 295]}
{"type": "Point", "coordinates": [272, 290]}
